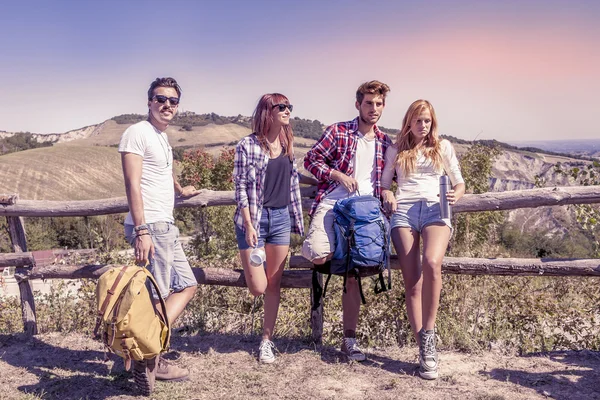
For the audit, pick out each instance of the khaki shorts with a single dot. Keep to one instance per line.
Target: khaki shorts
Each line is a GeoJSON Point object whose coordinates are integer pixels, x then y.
{"type": "Point", "coordinates": [320, 239]}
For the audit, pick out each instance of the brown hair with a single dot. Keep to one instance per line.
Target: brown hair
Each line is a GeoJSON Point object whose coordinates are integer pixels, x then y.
{"type": "Point", "coordinates": [406, 159]}
{"type": "Point", "coordinates": [163, 82]}
{"type": "Point", "coordinates": [262, 120]}
{"type": "Point", "coordinates": [372, 87]}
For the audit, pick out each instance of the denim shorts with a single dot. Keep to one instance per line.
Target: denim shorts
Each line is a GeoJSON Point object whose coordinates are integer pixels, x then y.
{"type": "Point", "coordinates": [418, 215]}
{"type": "Point", "coordinates": [169, 266]}
{"type": "Point", "coordinates": [275, 227]}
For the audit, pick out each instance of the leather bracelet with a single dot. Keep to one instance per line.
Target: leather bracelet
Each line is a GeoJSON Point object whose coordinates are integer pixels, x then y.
{"type": "Point", "coordinates": [142, 234]}
{"type": "Point", "coordinates": [140, 227]}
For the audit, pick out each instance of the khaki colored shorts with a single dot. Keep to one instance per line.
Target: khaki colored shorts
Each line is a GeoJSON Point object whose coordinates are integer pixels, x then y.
{"type": "Point", "coordinates": [320, 239]}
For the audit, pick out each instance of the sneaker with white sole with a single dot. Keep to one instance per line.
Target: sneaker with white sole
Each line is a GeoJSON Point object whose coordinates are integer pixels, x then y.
{"type": "Point", "coordinates": [265, 351]}
{"type": "Point", "coordinates": [428, 358]}
{"type": "Point", "coordinates": [351, 350]}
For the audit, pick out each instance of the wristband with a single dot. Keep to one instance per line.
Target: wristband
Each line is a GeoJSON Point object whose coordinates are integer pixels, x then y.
{"type": "Point", "coordinates": [140, 227]}
{"type": "Point", "coordinates": [142, 234]}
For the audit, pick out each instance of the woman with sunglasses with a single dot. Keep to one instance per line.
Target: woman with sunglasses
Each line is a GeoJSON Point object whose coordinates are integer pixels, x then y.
{"type": "Point", "coordinates": [419, 158]}
{"type": "Point", "coordinates": [267, 192]}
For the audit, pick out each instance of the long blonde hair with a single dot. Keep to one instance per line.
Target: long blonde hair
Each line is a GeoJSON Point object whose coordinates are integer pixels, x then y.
{"type": "Point", "coordinates": [406, 145]}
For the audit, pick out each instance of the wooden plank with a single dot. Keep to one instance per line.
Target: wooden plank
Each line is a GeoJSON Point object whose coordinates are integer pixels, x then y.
{"type": "Point", "coordinates": [492, 201]}
{"type": "Point", "coordinates": [16, 259]}
{"type": "Point", "coordinates": [499, 266]}
{"type": "Point", "coordinates": [8, 199]}
{"type": "Point", "coordinates": [316, 315]}
{"type": "Point", "coordinates": [204, 276]}
{"type": "Point", "coordinates": [16, 228]}
{"type": "Point", "coordinates": [80, 208]}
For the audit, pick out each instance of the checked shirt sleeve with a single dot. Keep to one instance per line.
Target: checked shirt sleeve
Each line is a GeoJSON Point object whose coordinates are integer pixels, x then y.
{"type": "Point", "coordinates": [319, 158]}
{"type": "Point", "coordinates": [240, 163]}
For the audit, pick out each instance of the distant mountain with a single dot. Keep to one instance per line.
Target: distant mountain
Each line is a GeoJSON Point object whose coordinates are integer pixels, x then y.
{"type": "Point", "coordinates": [585, 147]}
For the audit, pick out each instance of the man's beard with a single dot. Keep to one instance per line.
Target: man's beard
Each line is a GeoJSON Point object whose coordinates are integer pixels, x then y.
{"type": "Point", "coordinates": [368, 122]}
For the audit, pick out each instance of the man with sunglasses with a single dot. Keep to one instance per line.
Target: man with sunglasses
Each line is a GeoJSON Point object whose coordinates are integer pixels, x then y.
{"type": "Point", "coordinates": [151, 186]}
{"type": "Point", "coordinates": [347, 161]}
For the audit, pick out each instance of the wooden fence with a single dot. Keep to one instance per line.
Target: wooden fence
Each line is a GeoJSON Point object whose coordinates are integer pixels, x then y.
{"type": "Point", "coordinates": [299, 276]}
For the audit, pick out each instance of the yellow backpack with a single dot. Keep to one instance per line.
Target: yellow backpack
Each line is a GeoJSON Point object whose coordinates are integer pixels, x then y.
{"type": "Point", "coordinates": [127, 320]}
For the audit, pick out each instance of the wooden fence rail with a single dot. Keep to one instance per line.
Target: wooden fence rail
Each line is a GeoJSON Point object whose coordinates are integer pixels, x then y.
{"type": "Point", "coordinates": [300, 275]}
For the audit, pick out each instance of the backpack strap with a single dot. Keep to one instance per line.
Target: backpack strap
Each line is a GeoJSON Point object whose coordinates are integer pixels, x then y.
{"type": "Point", "coordinates": [317, 290]}
{"type": "Point", "coordinates": [163, 316]}
{"type": "Point", "coordinates": [380, 284]}
{"type": "Point", "coordinates": [326, 283]}
{"type": "Point", "coordinates": [362, 295]}
{"type": "Point", "coordinates": [111, 292]}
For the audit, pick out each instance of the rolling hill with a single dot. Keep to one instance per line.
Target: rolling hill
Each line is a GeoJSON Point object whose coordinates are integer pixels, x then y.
{"type": "Point", "coordinates": [85, 164]}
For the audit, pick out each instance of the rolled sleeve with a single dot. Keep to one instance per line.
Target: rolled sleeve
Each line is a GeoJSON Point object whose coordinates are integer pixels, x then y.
{"type": "Point", "coordinates": [451, 164]}
{"type": "Point", "coordinates": [240, 173]}
{"type": "Point", "coordinates": [322, 153]}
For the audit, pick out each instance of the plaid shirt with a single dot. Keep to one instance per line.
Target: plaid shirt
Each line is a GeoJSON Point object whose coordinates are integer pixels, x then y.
{"type": "Point", "coordinates": [249, 171]}
{"type": "Point", "coordinates": [335, 151]}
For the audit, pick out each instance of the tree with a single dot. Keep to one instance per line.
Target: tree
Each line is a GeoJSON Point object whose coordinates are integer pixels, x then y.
{"type": "Point", "coordinates": [587, 215]}
{"type": "Point", "coordinates": [213, 226]}
{"type": "Point", "coordinates": [472, 230]}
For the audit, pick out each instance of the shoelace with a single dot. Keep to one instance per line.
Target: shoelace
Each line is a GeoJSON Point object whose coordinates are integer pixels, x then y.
{"type": "Point", "coordinates": [428, 345]}
{"type": "Point", "coordinates": [351, 345]}
{"type": "Point", "coordinates": [267, 347]}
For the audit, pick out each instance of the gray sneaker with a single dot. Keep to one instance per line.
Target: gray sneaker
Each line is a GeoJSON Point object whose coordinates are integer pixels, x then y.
{"type": "Point", "coordinates": [352, 351]}
{"type": "Point", "coordinates": [265, 351]}
{"type": "Point", "coordinates": [428, 358]}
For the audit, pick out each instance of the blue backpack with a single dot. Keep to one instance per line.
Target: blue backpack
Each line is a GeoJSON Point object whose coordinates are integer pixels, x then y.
{"type": "Point", "coordinates": [361, 244]}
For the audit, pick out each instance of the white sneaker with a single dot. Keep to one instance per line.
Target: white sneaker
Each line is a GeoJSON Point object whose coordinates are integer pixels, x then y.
{"type": "Point", "coordinates": [428, 358]}
{"type": "Point", "coordinates": [352, 351]}
{"type": "Point", "coordinates": [265, 351]}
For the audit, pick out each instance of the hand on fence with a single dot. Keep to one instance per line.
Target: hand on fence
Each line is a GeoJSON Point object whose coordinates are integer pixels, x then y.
{"type": "Point", "coordinates": [189, 191]}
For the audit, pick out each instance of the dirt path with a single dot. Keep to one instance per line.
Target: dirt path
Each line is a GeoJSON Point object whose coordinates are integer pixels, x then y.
{"type": "Point", "coordinates": [53, 366]}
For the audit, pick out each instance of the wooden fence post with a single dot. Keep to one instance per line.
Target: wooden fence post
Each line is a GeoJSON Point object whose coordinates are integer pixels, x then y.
{"type": "Point", "coordinates": [316, 315]}
{"type": "Point", "coordinates": [16, 228]}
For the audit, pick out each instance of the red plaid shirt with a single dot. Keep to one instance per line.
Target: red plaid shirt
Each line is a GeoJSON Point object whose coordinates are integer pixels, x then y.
{"type": "Point", "coordinates": [335, 151]}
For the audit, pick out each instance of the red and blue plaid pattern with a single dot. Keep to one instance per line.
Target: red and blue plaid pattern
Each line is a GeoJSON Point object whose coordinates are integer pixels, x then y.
{"type": "Point", "coordinates": [335, 150]}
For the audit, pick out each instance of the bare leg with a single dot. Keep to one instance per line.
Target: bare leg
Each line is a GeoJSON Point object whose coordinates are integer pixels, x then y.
{"type": "Point", "coordinates": [276, 256]}
{"type": "Point", "coordinates": [351, 305]}
{"type": "Point", "coordinates": [177, 301]}
{"type": "Point", "coordinates": [255, 277]}
{"type": "Point", "coordinates": [435, 243]}
{"type": "Point", "coordinates": [406, 242]}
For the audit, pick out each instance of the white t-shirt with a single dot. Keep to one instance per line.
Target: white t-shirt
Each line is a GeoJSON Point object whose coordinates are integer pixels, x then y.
{"type": "Point", "coordinates": [423, 184]}
{"type": "Point", "coordinates": [158, 192]}
{"type": "Point", "coordinates": [363, 164]}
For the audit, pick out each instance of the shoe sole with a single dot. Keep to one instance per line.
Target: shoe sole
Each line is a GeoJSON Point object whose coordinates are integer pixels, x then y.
{"type": "Point", "coordinates": [267, 361]}
{"type": "Point", "coordinates": [355, 358]}
{"type": "Point", "coordinates": [430, 375]}
{"type": "Point", "coordinates": [184, 378]}
{"type": "Point", "coordinates": [142, 380]}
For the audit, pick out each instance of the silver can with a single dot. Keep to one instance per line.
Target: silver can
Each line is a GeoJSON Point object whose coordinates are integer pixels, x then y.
{"type": "Point", "coordinates": [445, 186]}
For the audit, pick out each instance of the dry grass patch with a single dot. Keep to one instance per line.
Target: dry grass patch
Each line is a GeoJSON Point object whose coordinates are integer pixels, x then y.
{"type": "Point", "coordinates": [71, 366]}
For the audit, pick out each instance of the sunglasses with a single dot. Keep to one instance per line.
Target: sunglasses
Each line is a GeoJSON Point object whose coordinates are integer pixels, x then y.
{"type": "Point", "coordinates": [163, 99]}
{"type": "Point", "coordinates": [282, 107]}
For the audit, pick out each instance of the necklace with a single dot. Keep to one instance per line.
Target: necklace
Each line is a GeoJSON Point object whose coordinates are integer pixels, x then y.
{"type": "Point", "coordinates": [274, 148]}
{"type": "Point", "coordinates": [165, 147]}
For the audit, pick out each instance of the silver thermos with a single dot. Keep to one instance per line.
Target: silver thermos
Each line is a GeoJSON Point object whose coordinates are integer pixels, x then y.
{"type": "Point", "coordinates": [445, 186]}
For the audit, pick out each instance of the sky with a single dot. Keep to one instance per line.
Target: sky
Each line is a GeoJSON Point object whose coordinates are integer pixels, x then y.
{"type": "Point", "coordinates": [505, 70]}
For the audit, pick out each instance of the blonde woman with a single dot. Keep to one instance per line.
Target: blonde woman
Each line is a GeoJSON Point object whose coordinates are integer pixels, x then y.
{"type": "Point", "coordinates": [419, 158]}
